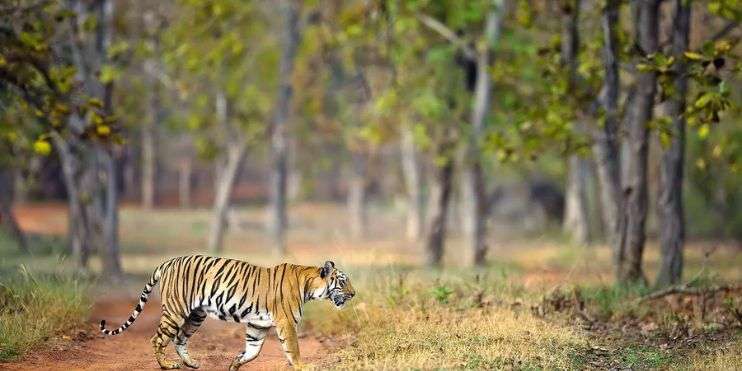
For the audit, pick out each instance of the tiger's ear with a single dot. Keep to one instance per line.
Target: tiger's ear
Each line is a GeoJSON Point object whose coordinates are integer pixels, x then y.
{"type": "Point", "coordinates": [326, 269]}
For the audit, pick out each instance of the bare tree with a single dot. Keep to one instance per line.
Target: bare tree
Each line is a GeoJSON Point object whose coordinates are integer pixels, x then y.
{"type": "Point", "coordinates": [278, 220]}
{"type": "Point", "coordinates": [630, 242]}
{"type": "Point", "coordinates": [670, 202]}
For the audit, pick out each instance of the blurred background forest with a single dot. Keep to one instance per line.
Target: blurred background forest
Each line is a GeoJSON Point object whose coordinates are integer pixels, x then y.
{"type": "Point", "coordinates": [576, 162]}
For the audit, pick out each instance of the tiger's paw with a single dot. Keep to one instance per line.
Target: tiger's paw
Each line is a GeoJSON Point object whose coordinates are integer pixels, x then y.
{"type": "Point", "coordinates": [191, 363]}
{"type": "Point", "coordinates": [169, 365]}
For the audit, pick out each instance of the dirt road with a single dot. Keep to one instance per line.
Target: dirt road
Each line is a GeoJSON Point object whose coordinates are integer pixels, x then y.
{"type": "Point", "coordinates": [214, 346]}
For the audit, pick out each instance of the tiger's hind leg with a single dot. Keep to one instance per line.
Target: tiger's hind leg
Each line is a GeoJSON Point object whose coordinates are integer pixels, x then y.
{"type": "Point", "coordinates": [166, 331]}
{"type": "Point", "coordinates": [254, 338]}
{"type": "Point", "coordinates": [191, 325]}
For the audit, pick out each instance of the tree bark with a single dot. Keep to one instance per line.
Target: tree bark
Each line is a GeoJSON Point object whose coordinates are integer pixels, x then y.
{"type": "Point", "coordinates": [149, 151]}
{"type": "Point", "coordinates": [630, 244]}
{"type": "Point", "coordinates": [576, 219]}
{"type": "Point", "coordinates": [7, 217]}
{"type": "Point", "coordinates": [413, 183]}
{"type": "Point", "coordinates": [78, 226]}
{"type": "Point", "coordinates": [474, 187]}
{"type": "Point", "coordinates": [225, 184]}
{"type": "Point", "coordinates": [111, 255]}
{"type": "Point", "coordinates": [670, 201]}
{"type": "Point", "coordinates": [606, 147]}
{"type": "Point", "coordinates": [440, 196]}
{"type": "Point", "coordinates": [357, 195]}
{"type": "Point", "coordinates": [278, 221]}
{"type": "Point", "coordinates": [184, 183]}
{"type": "Point", "coordinates": [576, 213]}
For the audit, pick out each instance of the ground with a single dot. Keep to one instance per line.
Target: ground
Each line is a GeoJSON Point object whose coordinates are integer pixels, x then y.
{"type": "Point", "coordinates": [540, 303]}
{"type": "Point", "coordinates": [214, 346]}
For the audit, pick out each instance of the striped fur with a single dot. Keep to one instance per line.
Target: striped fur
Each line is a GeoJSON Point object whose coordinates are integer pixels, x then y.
{"type": "Point", "coordinates": [194, 287]}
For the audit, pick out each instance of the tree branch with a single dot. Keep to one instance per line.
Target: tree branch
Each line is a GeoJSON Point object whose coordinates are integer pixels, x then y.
{"type": "Point", "coordinates": [724, 31]}
{"type": "Point", "coordinates": [685, 290]}
{"type": "Point", "coordinates": [447, 34]}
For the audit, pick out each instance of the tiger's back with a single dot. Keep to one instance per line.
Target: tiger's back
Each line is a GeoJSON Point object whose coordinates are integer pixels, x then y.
{"type": "Point", "coordinates": [196, 286]}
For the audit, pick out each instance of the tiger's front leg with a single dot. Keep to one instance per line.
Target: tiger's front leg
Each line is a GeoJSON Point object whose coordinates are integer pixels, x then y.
{"type": "Point", "coordinates": [286, 331]}
{"type": "Point", "coordinates": [254, 338]}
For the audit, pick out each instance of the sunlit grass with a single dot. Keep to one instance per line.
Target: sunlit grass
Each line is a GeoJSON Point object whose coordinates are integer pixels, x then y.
{"type": "Point", "coordinates": [33, 308]}
{"type": "Point", "coordinates": [408, 316]}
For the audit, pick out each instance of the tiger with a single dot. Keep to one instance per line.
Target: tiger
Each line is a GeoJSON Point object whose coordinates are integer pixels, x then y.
{"type": "Point", "coordinates": [196, 286]}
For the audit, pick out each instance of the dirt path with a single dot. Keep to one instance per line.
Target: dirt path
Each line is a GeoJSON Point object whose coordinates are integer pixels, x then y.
{"type": "Point", "coordinates": [214, 346]}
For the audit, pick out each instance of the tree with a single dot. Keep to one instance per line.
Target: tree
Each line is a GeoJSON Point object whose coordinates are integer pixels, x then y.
{"type": "Point", "coordinates": [278, 220]}
{"type": "Point", "coordinates": [70, 95]}
{"type": "Point", "coordinates": [224, 81]}
{"type": "Point", "coordinates": [631, 236]}
{"type": "Point", "coordinates": [576, 219]}
{"type": "Point", "coordinates": [474, 187]}
{"type": "Point", "coordinates": [606, 139]}
{"type": "Point", "coordinates": [670, 201]}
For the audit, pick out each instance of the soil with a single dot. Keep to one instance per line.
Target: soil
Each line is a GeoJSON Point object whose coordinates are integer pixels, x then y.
{"type": "Point", "coordinates": [213, 346]}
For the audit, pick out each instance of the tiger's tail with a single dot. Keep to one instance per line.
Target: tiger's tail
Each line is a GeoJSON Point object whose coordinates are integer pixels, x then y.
{"type": "Point", "coordinates": [140, 306]}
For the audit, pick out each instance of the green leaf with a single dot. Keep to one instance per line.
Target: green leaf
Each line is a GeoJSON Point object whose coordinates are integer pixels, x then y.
{"type": "Point", "coordinates": [703, 131]}
{"type": "Point", "coordinates": [693, 56]}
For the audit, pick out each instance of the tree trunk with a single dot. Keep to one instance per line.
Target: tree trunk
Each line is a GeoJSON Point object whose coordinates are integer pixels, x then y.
{"type": "Point", "coordinates": [413, 183]}
{"type": "Point", "coordinates": [279, 141]}
{"type": "Point", "coordinates": [475, 218]}
{"type": "Point", "coordinates": [671, 217]}
{"type": "Point", "coordinates": [576, 219]}
{"type": "Point", "coordinates": [110, 254]}
{"type": "Point", "coordinates": [357, 195]}
{"type": "Point", "coordinates": [576, 213]}
{"type": "Point", "coordinates": [77, 230]}
{"type": "Point", "coordinates": [606, 148]}
{"type": "Point", "coordinates": [184, 183]}
{"type": "Point", "coordinates": [149, 151]}
{"type": "Point", "coordinates": [225, 184]}
{"type": "Point", "coordinates": [630, 244]}
{"type": "Point", "coordinates": [440, 196]}
{"type": "Point", "coordinates": [7, 217]}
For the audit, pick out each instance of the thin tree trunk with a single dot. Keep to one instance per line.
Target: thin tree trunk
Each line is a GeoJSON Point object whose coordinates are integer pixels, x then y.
{"type": "Point", "coordinates": [184, 183]}
{"type": "Point", "coordinates": [475, 194]}
{"type": "Point", "coordinates": [576, 213]}
{"type": "Point", "coordinates": [630, 245]}
{"type": "Point", "coordinates": [149, 151]}
{"type": "Point", "coordinates": [7, 217]}
{"type": "Point", "coordinates": [440, 196]}
{"type": "Point", "coordinates": [110, 253]}
{"type": "Point", "coordinates": [413, 183]}
{"type": "Point", "coordinates": [671, 217]}
{"type": "Point", "coordinates": [606, 148]}
{"type": "Point", "coordinates": [225, 184]}
{"type": "Point", "coordinates": [576, 219]}
{"type": "Point", "coordinates": [357, 195]}
{"type": "Point", "coordinates": [78, 233]}
{"type": "Point", "coordinates": [278, 220]}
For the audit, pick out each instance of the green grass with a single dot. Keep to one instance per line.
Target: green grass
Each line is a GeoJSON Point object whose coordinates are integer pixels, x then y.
{"type": "Point", "coordinates": [637, 356]}
{"type": "Point", "coordinates": [35, 306]}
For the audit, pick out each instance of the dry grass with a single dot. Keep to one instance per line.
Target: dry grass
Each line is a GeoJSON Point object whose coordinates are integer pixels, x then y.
{"type": "Point", "coordinates": [406, 316]}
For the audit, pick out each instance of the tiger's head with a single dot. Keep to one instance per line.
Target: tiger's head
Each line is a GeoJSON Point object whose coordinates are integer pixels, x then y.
{"type": "Point", "coordinates": [333, 285]}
